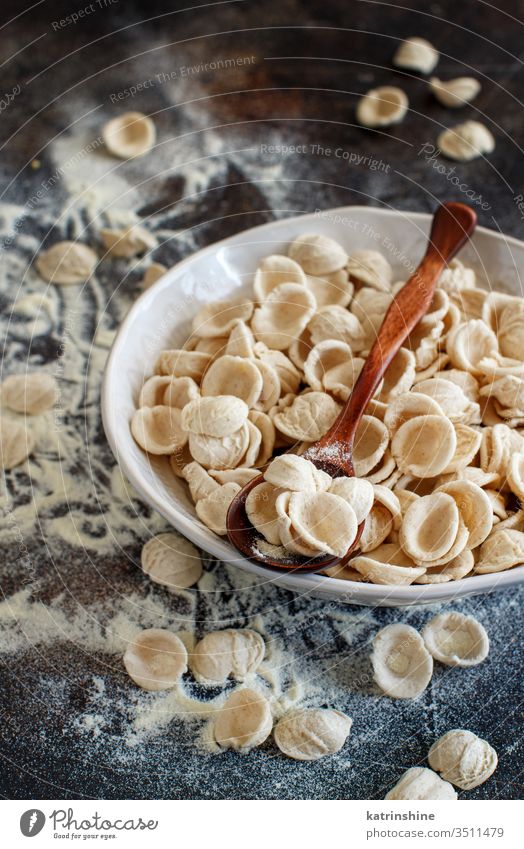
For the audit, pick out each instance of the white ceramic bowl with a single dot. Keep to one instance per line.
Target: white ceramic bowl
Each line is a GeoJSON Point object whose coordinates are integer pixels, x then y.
{"type": "Point", "coordinates": [161, 318]}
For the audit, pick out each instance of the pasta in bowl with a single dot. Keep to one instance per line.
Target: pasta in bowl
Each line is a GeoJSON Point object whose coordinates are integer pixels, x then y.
{"type": "Point", "coordinates": [223, 383]}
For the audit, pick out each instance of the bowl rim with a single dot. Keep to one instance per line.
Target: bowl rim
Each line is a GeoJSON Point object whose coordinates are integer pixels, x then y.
{"type": "Point", "coordinates": [317, 585]}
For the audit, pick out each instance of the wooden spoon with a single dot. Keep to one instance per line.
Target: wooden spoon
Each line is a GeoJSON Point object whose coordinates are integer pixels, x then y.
{"type": "Point", "coordinates": [452, 224]}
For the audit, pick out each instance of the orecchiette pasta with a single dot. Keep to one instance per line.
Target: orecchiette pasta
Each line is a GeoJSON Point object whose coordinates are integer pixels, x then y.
{"type": "Point", "coordinates": [312, 733]}
{"type": "Point", "coordinates": [156, 659]}
{"type": "Point", "coordinates": [269, 373]}
{"type": "Point", "coordinates": [221, 654]}
{"type": "Point", "coordinates": [402, 665]}
{"type": "Point", "coordinates": [244, 721]}
{"type": "Point", "coordinates": [463, 759]}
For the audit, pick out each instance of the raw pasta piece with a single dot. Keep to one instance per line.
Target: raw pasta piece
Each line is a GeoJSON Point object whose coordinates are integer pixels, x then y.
{"type": "Point", "coordinates": [400, 375]}
{"type": "Point", "coordinates": [516, 475]}
{"type": "Point", "coordinates": [409, 406]}
{"type": "Point", "coordinates": [218, 415]}
{"type": "Point", "coordinates": [335, 322]}
{"type": "Point", "coordinates": [455, 93]}
{"type": "Point", "coordinates": [385, 515]}
{"type": "Point", "coordinates": [453, 402]}
{"type": "Point", "coordinates": [289, 536]}
{"type": "Point", "coordinates": [261, 511]}
{"type": "Point", "coordinates": [469, 343]}
{"type": "Point", "coordinates": [288, 471]}
{"type": "Point", "coordinates": [241, 340]}
{"type": "Point", "coordinates": [317, 254]}
{"type": "Point", "coordinates": [274, 270]}
{"type": "Point", "coordinates": [325, 522]}
{"type": "Point", "coordinates": [16, 443]}
{"type": "Point", "coordinates": [421, 783]}
{"type": "Point", "coordinates": [416, 54]}
{"type": "Point", "coordinates": [156, 659]}
{"type": "Point", "coordinates": [322, 358]}
{"type": "Point", "coordinates": [158, 430]}
{"type": "Point", "coordinates": [331, 289]}
{"type": "Point", "coordinates": [312, 733]}
{"type": "Point", "coordinates": [267, 431]}
{"type": "Point", "coordinates": [270, 392]}
{"type": "Point", "coordinates": [153, 391]}
{"type": "Point", "coordinates": [456, 640]}
{"type": "Point", "coordinates": [31, 393]}
{"type": "Point", "coordinates": [220, 452]}
{"type": "Point", "coordinates": [180, 363]}
{"type": "Point", "coordinates": [201, 484]}
{"type": "Point", "coordinates": [244, 721]}
{"type": "Point", "coordinates": [341, 379]}
{"type": "Point", "coordinates": [127, 242]}
{"type": "Point", "coordinates": [67, 263]}
{"type": "Point", "coordinates": [283, 315]}
{"type": "Point", "coordinates": [502, 550]}
{"type": "Point", "coordinates": [382, 107]}
{"type": "Point", "coordinates": [219, 318]}
{"type": "Point", "coordinates": [236, 376]}
{"type": "Point", "coordinates": [240, 475]}
{"type": "Point", "coordinates": [358, 493]}
{"type": "Point", "coordinates": [288, 374]}
{"type": "Point", "coordinates": [235, 653]}
{"type": "Point", "coordinates": [402, 666]}
{"type": "Point", "coordinates": [172, 561]}
{"type": "Point", "coordinates": [466, 141]}
{"type": "Point", "coordinates": [463, 759]}
{"type": "Point", "coordinates": [213, 510]}
{"type": "Point", "coordinates": [129, 135]}
{"type": "Point", "coordinates": [387, 564]}
{"type": "Point", "coordinates": [180, 391]}
{"type": "Point", "coordinates": [153, 273]}
{"type": "Point", "coordinates": [308, 418]}
{"type": "Point", "coordinates": [424, 446]}
{"type": "Point", "coordinates": [370, 268]}
{"type": "Point", "coordinates": [429, 527]}
{"type": "Point", "coordinates": [371, 442]}
{"type": "Point", "coordinates": [455, 569]}
{"type": "Point", "coordinates": [468, 445]}
{"type": "Point", "coordinates": [474, 507]}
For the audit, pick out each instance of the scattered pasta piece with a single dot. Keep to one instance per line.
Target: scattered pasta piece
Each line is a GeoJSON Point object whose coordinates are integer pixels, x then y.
{"type": "Point", "coordinates": [128, 242]}
{"type": "Point", "coordinates": [312, 733]}
{"type": "Point", "coordinates": [16, 443]}
{"type": "Point", "coordinates": [224, 654]}
{"type": "Point", "coordinates": [244, 721]}
{"type": "Point", "coordinates": [382, 107]}
{"type": "Point", "coordinates": [30, 393]}
{"type": "Point", "coordinates": [129, 135]}
{"type": "Point", "coordinates": [172, 561]}
{"type": "Point", "coordinates": [416, 54]}
{"type": "Point", "coordinates": [455, 93]}
{"type": "Point", "coordinates": [466, 141]}
{"type": "Point", "coordinates": [421, 783]}
{"type": "Point", "coordinates": [67, 263]}
{"type": "Point", "coordinates": [402, 665]}
{"type": "Point", "coordinates": [456, 640]}
{"type": "Point", "coordinates": [463, 759]}
{"type": "Point", "coordinates": [156, 659]}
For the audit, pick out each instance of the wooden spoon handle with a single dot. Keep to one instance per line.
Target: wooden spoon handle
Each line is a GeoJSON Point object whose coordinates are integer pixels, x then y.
{"type": "Point", "coordinates": [452, 224]}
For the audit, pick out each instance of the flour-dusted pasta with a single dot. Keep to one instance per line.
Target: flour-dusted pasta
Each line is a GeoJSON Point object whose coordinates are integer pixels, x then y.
{"type": "Point", "coordinates": [235, 653]}
{"type": "Point", "coordinates": [129, 135]}
{"type": "Point", "coordinates": [402, 665]}
{"type": "Point", "coordinates": [456, 640]}
{"type": "Point", "coordinates": [318, 254]}
{"type": "Point", "coordinates": [172, 561]}
{"type": "Point", "coordinates": [156, 659]}
{"type": "Point", "coordinates": [31, 393]}
{"type": "Point", "coordinates": [438, 455]}
{"type": "Point", "coordinates": [127, 242]}
{"type": "Point", "coordinates": [219, 416]}
{"type": "Point", "coordinates": [16, 443]}
{"type": "Point", "coordinates": [463, 759]}
{"type": "Point", "coordinates": [421, 783]}
{"type": "Point", "coordinates": [244, 721]}
{"type": "Point", "coordinates": [312, 733]}
{"type": "Point", "coordinates": [66, 263]}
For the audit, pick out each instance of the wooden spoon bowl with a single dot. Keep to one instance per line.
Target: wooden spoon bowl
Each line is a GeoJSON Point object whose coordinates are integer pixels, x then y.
{"type": "Point", "coordinates": [453, 223]}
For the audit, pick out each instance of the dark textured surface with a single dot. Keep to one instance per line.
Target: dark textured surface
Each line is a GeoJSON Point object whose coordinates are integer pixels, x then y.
{"type": "Point", "coordinates": [310, 61]}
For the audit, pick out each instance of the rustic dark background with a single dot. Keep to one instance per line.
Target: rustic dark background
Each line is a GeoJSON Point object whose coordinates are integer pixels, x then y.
{"type": "Point", "coordinates": [310, 62]}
